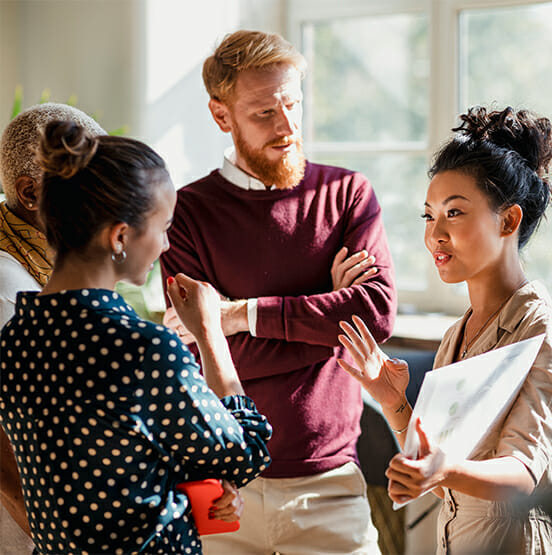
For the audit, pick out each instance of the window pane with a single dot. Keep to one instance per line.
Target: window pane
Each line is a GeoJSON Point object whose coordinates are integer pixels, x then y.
{"type": "Point", "coordinates": [368, 79]}
{"type": "Point", "coordinates": [537, 255]}
{"type": "Point", "coordinates": [400, 182]}
{"type": "Point", "coordinates": [505, 57]}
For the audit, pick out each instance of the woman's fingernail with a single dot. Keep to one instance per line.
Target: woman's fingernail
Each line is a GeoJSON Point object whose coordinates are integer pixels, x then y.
{"type": "Point", "coordinates": [170, 280]}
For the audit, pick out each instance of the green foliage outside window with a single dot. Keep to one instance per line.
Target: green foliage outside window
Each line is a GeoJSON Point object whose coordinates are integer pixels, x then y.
{"type": "Point", "coordinates": [45, 96]}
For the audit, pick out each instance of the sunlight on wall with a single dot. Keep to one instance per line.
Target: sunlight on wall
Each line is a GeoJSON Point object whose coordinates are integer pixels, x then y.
{"type": "Point", "coordinates": [179, 35]}
{"type": "Point", "coordinates": [171, 145]}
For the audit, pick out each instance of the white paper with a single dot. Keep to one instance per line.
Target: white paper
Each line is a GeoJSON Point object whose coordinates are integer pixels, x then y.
{"type": "Point", "coordinates": [458, 403]}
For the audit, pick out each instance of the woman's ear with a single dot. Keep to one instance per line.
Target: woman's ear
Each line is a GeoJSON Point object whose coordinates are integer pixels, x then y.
{"type": "Point", "coordinates": [27, 190]}
{"type": "Point", "coordinates": [221, 115]}
{"type": "Point", "coordinates": [511, 218]}
{"type": "Point", "coordinates": [118, 237]}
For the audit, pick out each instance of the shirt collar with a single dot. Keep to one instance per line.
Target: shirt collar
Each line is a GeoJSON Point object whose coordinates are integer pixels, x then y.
{"type": "Point", "coordinates": [237, 176]}
{"type": "Point", "coordinates": [507, 321]}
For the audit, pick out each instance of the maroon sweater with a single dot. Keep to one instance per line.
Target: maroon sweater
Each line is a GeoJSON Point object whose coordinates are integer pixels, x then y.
{"type": "Point", "coordinates": [278, 246]}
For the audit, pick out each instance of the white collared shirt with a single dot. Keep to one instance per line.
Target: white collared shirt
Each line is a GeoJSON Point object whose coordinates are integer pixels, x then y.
{"type": "Point", "coordinates": [231, 172]}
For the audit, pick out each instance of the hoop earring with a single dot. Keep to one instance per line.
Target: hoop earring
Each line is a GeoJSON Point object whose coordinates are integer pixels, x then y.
{"type": "Point", "coordinates": [118, 257]}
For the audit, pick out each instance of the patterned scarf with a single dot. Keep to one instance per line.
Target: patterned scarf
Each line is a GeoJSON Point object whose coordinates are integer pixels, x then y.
{"type": "Point", "coordinates": [26, 244]}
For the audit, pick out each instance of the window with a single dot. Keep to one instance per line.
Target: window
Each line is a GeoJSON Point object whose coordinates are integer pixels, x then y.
{"type": "Point", "coordinates": [502, 60]}
{"type": "Point", "coordinates": [386, 82]}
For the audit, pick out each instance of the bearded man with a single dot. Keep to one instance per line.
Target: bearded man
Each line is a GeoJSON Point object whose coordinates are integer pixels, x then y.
{"type": "Point", "coordinates": [294, 248]}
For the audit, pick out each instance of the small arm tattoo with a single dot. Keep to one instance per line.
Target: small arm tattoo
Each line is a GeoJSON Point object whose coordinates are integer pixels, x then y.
{"type": "Point", "coordinates": [401, 408]}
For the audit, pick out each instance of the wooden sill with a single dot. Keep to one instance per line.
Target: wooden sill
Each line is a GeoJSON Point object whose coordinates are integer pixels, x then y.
{"type": "Point", "coordinates": [419, 331]}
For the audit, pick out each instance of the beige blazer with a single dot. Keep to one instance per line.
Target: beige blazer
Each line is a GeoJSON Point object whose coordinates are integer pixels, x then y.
{"type": "Point", "coordinates": [470, 525]}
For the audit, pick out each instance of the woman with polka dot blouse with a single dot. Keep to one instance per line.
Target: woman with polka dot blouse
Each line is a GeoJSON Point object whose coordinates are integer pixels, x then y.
{"type": "Point", "coordinates": [106, 412]}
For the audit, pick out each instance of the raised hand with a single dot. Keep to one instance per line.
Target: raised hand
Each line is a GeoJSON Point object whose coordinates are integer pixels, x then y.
{"type": "Point", "coordinates": [196, 305]}
{"type": "Point", "coordinates": [410, 478]}
{"type": "Point", "coordinates": [352, 270]}
{"type": "Point", "coordinates": [233, 319]}
{"type": "Point", "coordinates": [385, 379]}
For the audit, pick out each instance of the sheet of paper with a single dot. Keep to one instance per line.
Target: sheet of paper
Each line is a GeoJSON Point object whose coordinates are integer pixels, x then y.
{"type": "Point", "coordinates": [458, 403]}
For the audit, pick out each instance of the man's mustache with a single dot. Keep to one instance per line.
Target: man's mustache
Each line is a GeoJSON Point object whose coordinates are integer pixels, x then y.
{"type": "Point", "coordinates": [284, 141]}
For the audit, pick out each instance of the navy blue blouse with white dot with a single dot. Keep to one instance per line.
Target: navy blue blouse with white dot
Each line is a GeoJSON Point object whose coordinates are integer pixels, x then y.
{"type": "Point", "coordinates": [107, 413]}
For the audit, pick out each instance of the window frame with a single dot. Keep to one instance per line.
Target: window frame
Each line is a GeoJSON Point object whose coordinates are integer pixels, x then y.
{"type": "Point", "coordinates": [443, 100]}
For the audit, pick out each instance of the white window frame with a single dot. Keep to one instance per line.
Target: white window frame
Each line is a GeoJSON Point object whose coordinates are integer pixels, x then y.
{"type": "Point", "coordinates": [443, 99]}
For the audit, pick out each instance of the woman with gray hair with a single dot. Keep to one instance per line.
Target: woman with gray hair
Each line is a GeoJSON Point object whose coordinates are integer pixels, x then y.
{"type": "Point", "coordinates": [26, 260]}
{"type": "Point", "coordinates": [25, 264]}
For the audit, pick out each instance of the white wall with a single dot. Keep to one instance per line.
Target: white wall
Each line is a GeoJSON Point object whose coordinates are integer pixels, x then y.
{"type": "Point", "coordinates": [130, 62]}
{"type": "Point", "coordinates": [72, 48]}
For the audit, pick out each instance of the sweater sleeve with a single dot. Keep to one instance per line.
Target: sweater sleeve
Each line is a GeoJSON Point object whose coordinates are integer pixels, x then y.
{"type": "Point", "coordinates": [314, 319]}
{"type": "Point", "coordinates": [253, 356]}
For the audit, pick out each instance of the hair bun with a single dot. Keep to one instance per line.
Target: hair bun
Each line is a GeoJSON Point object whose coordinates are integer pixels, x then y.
{"type": "Point", "coordinates": [521, 131]}
{"type": "Point", "coordinates": [65, 148]}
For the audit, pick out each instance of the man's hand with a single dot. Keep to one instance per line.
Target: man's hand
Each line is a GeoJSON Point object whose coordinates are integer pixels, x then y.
{"type": "Point", "coordinates": [233, 315]}
{"type": "Point", "coordinates": [172, 321]}
{"type": "Point", "coordinates": [229, 506]}
{"type": "Point", "coordinates": [352, 270]}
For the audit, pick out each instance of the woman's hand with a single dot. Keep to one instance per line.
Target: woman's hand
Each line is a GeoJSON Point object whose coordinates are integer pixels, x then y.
{"type": "Point", "coordinates": [352, 270]}
{"type": "Point", "coordinates": [410, 478]}
{"type": "Point", "coordinates": [385, 379]}
{"type": "Point", "coordinates": [229, 506]}
{"type": "Point", "coordinates": [196, 307]}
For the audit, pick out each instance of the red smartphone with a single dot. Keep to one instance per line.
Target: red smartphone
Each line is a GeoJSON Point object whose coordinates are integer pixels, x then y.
{"type": "Point", "coordinates": [201, 495]}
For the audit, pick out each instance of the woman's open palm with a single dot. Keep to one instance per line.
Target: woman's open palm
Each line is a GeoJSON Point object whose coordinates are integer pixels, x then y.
{"type": "Point", "coordinates": [383, 378]}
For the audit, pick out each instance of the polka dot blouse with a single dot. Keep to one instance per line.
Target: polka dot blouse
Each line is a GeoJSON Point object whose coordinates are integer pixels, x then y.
{"type": "Point", "coordinates": [107, 413]}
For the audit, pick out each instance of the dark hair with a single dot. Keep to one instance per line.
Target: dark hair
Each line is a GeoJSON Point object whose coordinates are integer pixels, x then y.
{"type": "Point", "coordinates": [508, 154]}
{"type": "Point", "coordinates": [90, 182]}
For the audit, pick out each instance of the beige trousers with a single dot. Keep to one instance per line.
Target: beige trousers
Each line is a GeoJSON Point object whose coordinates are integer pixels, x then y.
{"type": "Point", "coordinates": [13, 541]}
{"type": "Point", "coordinates": [314, 515]}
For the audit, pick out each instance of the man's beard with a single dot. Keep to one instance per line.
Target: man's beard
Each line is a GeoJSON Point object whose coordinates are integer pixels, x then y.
{"type": "Point", "coordinates": [284, 173]}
